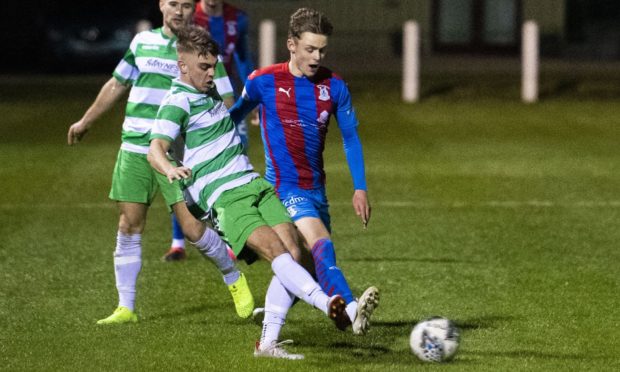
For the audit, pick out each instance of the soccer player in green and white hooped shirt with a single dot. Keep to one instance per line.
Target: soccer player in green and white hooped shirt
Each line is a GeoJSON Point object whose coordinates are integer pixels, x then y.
{"type": "Point", "coordinates": [219, 178]}
{"type": "Point", "coordinates": [148, 69]}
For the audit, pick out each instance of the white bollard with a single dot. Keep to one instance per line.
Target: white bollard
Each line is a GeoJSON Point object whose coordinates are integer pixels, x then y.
{"type": "Point", "coordinates": [530, 62]}
{"type": "Point", "coordinates": [267, 43]}
{"type": "Point", "coordinates": [411, 62]}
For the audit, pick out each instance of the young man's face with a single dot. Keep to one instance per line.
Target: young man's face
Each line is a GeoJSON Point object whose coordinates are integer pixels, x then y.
{"type": "Point", "coordinates": [176, 13]}
{"type": "Point", "coordinates": [307, 53]}
{"type": "Point", "coordinates": [198, 71]}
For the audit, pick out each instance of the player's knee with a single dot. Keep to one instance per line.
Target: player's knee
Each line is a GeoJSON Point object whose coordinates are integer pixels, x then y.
{"type": "Point", "coordinates": [272, 248]}
{"type": "Point", "coordinates": [295, 252]}
{"type": "Point", "coordinates": [129, 227]}
{"type": "Point", "coordinates": [191, 227]}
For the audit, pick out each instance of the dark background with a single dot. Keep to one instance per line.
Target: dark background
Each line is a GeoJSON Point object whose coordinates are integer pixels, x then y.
{"type": "Point", "coordinates": [592, 31]}
{"type": "Point", "coordinates": [24, 28]}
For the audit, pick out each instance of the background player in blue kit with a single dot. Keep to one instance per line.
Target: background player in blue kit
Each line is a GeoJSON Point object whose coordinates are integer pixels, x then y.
{"type": "Point", "coordinates": [228, 26]}
{"type": "Point", "coordinates": [297, 100]}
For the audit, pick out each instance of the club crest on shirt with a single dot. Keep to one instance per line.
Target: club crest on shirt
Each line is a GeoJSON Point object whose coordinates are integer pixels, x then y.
{"type": "Point", "coordinates": [323, 92]}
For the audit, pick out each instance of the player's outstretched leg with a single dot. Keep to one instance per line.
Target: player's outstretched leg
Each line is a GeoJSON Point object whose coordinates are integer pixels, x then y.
{"type": "Point", "coordinates": [300, 283]}
{"type": "Point", "coordinates": [127, 265]}
{"type": "Point", "coordinates": [212, 247]}
{"type": "Point", "coordinates": [177, 248]}
{"type": "Point", "coordinates": [366, 305]}
{"type": "Point", "coordinates": [277, 302]}
{"type": "Point", "coordinates": [330, 276]}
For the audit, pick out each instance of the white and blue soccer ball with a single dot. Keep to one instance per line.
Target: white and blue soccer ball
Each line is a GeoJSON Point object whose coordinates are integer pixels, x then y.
{"type": "Point", "coordinates": [435, 339]}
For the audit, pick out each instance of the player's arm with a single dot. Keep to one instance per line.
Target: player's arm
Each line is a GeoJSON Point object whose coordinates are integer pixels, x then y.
{"type": "Point", "coordinates": [250, 98]}
{"type": "Point", "coordinates": [347, 122]}
{"type": "Point", "coordinates": [355, 160]}
{"type": "Point", "coordinates": [159, 160]}
{"type": "Point", "coordinates": [244, 107]}
{"type": "Point", "coordinates": [241, 109]}
{"type": "Point", "coordinates": [111, 92]}
{"type": "Point", "coordinates": [229, 101]}
{"type": "Point", "coordinates": [172, 114]}
{"type": "Point", "coordinates": [243, 59]}
{"type": "Point", "coordinates": [242, 55]}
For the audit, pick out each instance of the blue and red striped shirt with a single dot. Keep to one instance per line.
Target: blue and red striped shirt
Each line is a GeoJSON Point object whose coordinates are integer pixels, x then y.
{"type": "Point", "coordinates": [230, 31]}
{"type": "Point", "coordinates": [295, 113]}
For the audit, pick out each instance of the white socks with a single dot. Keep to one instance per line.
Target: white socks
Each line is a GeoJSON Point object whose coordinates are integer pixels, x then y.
{"type": "Point", "coordinates": [212, 247]}
{"type": "Point", "coordinates": [178, 243]}
{"type": "Point", "coordinates": [299, 282]}
{"type": "Point", "coordinates": [128, 262]}
{"type": "Point", "coordinates": [127, 265]}
{"type": "Point", "coordinates": [291, 280]}
{"type": "Point", "coordinates": [277, 303]}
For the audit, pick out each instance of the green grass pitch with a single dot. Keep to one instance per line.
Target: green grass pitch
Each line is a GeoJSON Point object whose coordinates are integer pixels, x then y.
{"type": "Point", "coordinates": [501, 216]}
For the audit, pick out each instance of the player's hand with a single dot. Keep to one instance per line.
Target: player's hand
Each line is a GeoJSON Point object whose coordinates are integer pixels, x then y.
{"type": "Point", "coordinates": [76, 132]}
{"type": "Point", "coordinates": [361, 206]}
{"type": "Point", "coordinates": [178, 173]}
{"type": "Point", "coordinates": [254, 119]}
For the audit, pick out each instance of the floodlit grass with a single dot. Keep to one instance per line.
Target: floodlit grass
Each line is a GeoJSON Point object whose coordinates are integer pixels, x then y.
{"type": "Point", "coordinates": [498, 215]}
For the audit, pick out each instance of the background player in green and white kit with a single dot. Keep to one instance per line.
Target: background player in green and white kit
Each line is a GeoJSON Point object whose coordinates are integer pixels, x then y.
{"type": "Point", "coordinates": [219, 177]}
{"type": "Point", "coordinates": [147, 71]}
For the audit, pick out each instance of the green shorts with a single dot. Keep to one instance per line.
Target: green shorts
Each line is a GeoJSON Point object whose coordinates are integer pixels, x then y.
{"type": "Point", "coordinates": [135, 181]}
{"type": "Point", "coordinates": [243, 209]}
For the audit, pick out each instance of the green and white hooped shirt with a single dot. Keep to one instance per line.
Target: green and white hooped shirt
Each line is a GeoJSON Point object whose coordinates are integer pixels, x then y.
{"type": "Point", "coordinates": [149, 65]}
{"type": "Point", "coordinates": [213, 148]}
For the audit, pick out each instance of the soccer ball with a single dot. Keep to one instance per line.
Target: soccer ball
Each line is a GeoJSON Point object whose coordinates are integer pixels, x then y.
{"type": "Point", "coordinates": [434, 339]}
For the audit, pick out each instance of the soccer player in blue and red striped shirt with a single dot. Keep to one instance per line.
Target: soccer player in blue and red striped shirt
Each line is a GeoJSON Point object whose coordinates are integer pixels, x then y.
{"type": "Point", "coordinates": [228, 26]}
{"type": "Point", "coordinates": [297, 99]}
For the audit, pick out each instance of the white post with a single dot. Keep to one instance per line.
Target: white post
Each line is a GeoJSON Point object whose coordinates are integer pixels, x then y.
{"type": "Point", "coordinates": [267, 43]}
{"type": "Point", "coordinates": [529, 61]}
{"type": "Point", "coordinates": [411, 62]}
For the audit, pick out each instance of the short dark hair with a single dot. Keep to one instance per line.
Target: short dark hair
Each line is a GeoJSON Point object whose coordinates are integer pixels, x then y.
{"type": "Point", "coordinates": [195, 39]}
{"type": "Point", "coordinates": [309, 20]}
